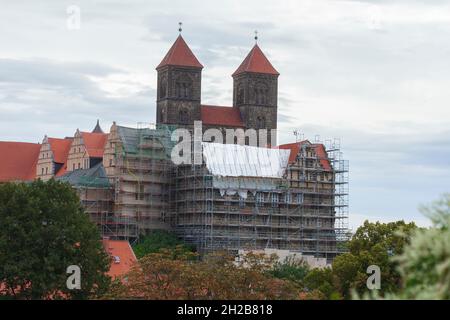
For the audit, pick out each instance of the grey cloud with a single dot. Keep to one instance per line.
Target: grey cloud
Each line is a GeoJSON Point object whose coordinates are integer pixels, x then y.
{"type": "Point", "coordinates": [37, 93]}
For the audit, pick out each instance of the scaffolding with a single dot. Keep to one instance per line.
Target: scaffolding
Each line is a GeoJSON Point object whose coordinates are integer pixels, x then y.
{"type": "Point", "coordinates": [141, 179]}
{"type": "Point", "coordinates": [96, 196]}
{"type": "Point", "coordinates": [305, 212]}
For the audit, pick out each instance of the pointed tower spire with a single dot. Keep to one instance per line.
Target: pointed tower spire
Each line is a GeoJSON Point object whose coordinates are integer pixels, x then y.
{"type": "Point", "coordinates": [97, 128]}
{"type": "Point", "coordinates": [256, 62]}
{"type": "Point", "coordinates": [180, 55]}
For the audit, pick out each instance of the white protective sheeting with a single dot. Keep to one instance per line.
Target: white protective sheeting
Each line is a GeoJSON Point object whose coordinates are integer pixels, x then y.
{"type": "Point", "coordinates": [232, 160]}
{"type": "Point", "coordinates": [242, 169]}
{"type": "Point", "coordinates": [242, 185]}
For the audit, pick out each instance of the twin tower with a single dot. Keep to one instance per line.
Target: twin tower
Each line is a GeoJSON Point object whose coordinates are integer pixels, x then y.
{"type": "Point", "coordinates": [255, 86]}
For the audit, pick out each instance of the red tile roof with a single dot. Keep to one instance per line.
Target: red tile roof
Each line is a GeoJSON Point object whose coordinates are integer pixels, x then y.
{"type": "Point", "coordinates": [60, 148]}
{"type": "Point", "coordinates": [318, 148]}
{"type": "Point", "coordinates": [180, 55]}
{"type": "Point", "coordinates": [122, 257]}
{"type": "Point", "coordinates": [256, 62]}
{"type": "Point", "coordinates": [18, 160]}
{"type": "Point", "coordinates": [95, 143]}
{"type": "Point", "coordinates": [221, 116]}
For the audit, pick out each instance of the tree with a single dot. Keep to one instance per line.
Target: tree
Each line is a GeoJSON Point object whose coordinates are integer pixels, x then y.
{"type": "Point", "coordinates": [372, 244]}
{"type": "Point", "coordinates": [157, 240]}
{"type": "Point", "coordinates": [320, 284]}
{"type": "Point", "coordinates": [44, 230]}
{"type": "Point", "coordinates": [425, 263]}
{"type": "Point", "coordinates": [291, 269]}
{"type": "Point", "coordinates": [217, 276]}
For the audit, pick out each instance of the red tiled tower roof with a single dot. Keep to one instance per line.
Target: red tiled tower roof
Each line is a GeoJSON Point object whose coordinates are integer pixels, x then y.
{"type": "Point", "coordinates": [256, 62]}
{"type": "Point", "coordinates": [18, 160]}
{"type": "Point", "coordinates": [221, 116]}
{"type": "Point", "coordinates": [180, 55]}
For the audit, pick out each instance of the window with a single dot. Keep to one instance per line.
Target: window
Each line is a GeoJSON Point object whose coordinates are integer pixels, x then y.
{"type": "Point", "coordinates": [240, 94]}
{"type": "Point", "coordinates": [241, 202]}
{"type": "Point", "coordinates": [299, 198]}
{"type": "Point", "coordinates": [275, 199]}
{"type": "Point", "coordinates": [163, 87]}
{"type": "Point", "coordinates": [139, 191]}
{"type": "Point", "coordinates": [261, 93]}
{"type": "Point", "coordinates": [73, 167]}
{"type": "Point", "coordinates": [110, 162]}
{"type": "Point", "coordinates": [260, 122]}
{"type": "Point", "coordinates": [259, 198]}
{"type": "Point", "coordinates": [42, 171]}
{"type": "Point", "coordinates": [288, 197]}
{"type": "Point", "coordinates": [183, 87]}
{"type": "Point", "coordinates": [184, 116]}
{"type": "Point", "coordinates": [209, 205]}
{"type": "Point", "coordinates": [46, 170]}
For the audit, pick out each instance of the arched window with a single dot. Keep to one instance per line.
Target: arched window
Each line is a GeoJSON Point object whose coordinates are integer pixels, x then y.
{"type": "Point", "coordinates": [261, 93]}
{"type": "Point", "coordinates": [240, 94]}
{"type": "Point", "coordinates": [183, 87]}
{"type": "Point", "coordinates": [184, 116]}
{"type": "Point", "coordinates": [260, 122]}
{"type": "Point", "coordinates": [163, 115]}
{"type": "Point", "coordinates": [163, 87]}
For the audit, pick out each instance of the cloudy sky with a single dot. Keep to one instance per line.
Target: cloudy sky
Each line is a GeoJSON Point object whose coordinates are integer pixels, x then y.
{"type": "Point", "coordinates": [375, 74]}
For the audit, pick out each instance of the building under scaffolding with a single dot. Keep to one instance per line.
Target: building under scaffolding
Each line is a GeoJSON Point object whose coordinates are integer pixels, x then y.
{"type": "Point", "coordinates": [136, 161]}
{"type": "Point", "coordinates": [293, 197]}
{"type": "Point", "coordinates": [96, 195]}
{"type": "Point", "coordinates": [246, 198]}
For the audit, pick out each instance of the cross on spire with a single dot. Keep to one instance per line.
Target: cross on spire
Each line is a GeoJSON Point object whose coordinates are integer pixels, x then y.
{"type": "Point", "coordinates": [180, 27]}
{"type": "Point", "coordinates": [256, 36]}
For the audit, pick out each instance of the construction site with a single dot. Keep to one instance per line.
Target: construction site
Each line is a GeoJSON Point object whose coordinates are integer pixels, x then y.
{"type": "Point", "coordinates": [293, 197]}
{"type": "Point", "coordinates": [303, 209]}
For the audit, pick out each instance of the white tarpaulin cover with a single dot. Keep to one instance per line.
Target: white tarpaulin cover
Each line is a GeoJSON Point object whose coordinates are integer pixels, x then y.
{"type": "Point", "coordinates": [232, 160]}
{"type": "Point", "coordinates": [243, 185]}
{"type": "Point", "coordinates": [242, 169]}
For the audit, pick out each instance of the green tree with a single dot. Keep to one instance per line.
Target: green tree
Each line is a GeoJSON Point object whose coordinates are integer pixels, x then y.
{"type": "Point", "coordinates": [158, 240]}
{"type": "Point", "coordinates": [291, 269]}
{"type": "Point", "coordinates": [425, 263]}
{"type": "Point", "coordinates": [373, 244]}
{"type": "Point", "coordinates": [319, 282]}
{"type": "Point", "coordinates": [43, 231]}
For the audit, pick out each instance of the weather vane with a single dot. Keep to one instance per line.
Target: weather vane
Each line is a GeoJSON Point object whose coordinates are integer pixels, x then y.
{"type": "Point", "coordinates": [179, 28]}
{"type": "Point", "coordinates": [256, 36]}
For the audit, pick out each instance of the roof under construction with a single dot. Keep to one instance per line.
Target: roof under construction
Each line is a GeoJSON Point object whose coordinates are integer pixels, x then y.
{"type": "Point", "coordinates": [94, 177]}
{"type": "Point", "coordinates": [133, 139]}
